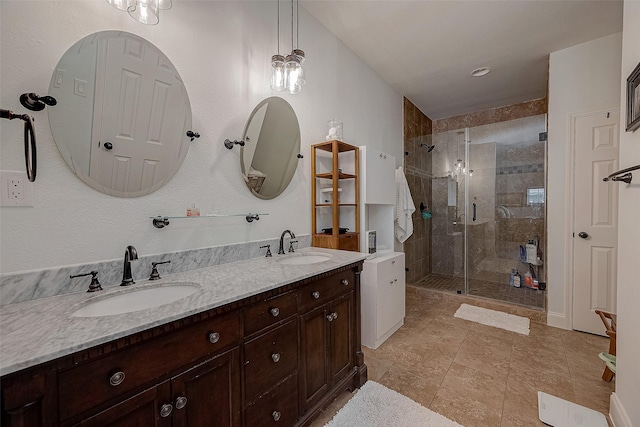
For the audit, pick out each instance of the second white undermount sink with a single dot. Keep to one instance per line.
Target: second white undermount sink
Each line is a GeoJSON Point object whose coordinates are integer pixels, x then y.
{"type": "Point", "coordinates": [305, 258]}
{"type": "Point", "coordinates": [140, 299]}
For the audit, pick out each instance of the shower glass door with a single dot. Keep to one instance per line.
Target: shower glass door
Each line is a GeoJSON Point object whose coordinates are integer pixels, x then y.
{"type": "Point", "coordinates": [448, 195]}
{"type": "Point", "coordinates": [488, 198]}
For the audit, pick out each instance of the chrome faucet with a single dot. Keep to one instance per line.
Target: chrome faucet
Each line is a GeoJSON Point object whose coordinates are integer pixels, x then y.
{"type": "Point", "coordinates": [281, 247]}
{"type": "Point", "coordinates": [130, 254]}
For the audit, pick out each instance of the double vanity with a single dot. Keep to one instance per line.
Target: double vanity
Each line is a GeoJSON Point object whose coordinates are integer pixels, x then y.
{"type": "Point", "coordinates": [260, 342]}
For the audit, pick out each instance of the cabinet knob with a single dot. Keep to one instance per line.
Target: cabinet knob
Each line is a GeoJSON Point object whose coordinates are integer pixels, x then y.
{"type": "Point", "coordinates": [117, 378]}
{"type": "Point", "coordinates": [395, 280]}
{"type": "Point", "coordinates": [275, 357]}
{"type": "Point", "coordinates": [166, 410]}
{"type": "Point", "coordinates": [345, 282]}
{"type": "Point", "coordinates": [315, 294]}
{"type": "Point", "coordinates": [391, 282]}
{"type": "Point", "coordinates": [214, 337]}
{"type": "Point", "coordinates": [275, 311]}
{"type": "Point", "coordinates": [276, 415]}
{"type": "Point", "coordinates": [335, 315]}
{"type": "Point", "coordinates": [181, 402]}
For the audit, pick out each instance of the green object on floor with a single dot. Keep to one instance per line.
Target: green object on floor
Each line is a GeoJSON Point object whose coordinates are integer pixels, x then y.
{"type": "Point", "coordinates": [609, 360]}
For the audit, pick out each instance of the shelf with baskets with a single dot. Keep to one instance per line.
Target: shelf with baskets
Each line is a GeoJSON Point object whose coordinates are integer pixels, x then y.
{"type": "Point", "coordinates": [335, 195]}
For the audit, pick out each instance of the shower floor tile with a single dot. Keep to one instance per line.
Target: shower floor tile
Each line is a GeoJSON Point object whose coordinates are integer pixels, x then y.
{"type": "Point", "coordinates": [482, 288]}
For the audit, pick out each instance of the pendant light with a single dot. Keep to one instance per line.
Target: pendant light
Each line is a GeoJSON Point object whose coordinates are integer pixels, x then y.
{"type": "Point", "coordinates": [294, 73]}
{"type": "Point", "coordinates": [144, 11]}
{"type": "Point", "coordinates": [277, 64]}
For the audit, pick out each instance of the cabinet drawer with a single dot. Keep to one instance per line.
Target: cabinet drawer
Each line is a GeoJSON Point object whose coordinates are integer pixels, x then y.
{"type": "Point", "coordinates": [270, 357]}
{"type": "Point", "coordinates": [321, 291]}
{"type": "Point", "coordinates": [266, 313]}
{"type": "Point", "coordinates": [278, 407]}
{"type": "Point", "coordinates": [92, 384]}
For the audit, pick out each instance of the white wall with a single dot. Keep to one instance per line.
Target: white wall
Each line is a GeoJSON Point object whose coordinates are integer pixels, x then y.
{"type": "Point", "coordinates": [222, 51]}
{"type": "Point", "coordinates": [628, 337]}
{"type": "Point", "coordinates": [583, 78]}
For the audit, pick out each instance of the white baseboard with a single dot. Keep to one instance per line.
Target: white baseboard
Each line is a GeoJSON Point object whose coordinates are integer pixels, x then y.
{"type": "Point", "coordinates": [617, 413]}
{"type": "Point", "coordinates": [558, 320]}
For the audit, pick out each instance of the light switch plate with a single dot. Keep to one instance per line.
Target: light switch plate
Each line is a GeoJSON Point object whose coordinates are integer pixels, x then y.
{"type": "Point", "coordinates": [15, 189]}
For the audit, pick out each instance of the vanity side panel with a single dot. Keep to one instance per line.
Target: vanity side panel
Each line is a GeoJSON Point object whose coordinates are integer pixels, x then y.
{"type": "Point", "coordinates": [30, 398]}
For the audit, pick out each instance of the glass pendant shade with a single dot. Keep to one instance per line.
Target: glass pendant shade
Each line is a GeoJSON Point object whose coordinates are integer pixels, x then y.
{"type": "Point", "coordinates": [300, 55]}
{"type": "Point", "coordinates": [277, 73]}
{"type": "Point", "coordinates": [145, 11]}
{"type": "Point", "coordinates": [292, 69]}
{"type": "Point", "coordinates": [120, 4]}
{"type": "Point", "coordinates": [164, 4]}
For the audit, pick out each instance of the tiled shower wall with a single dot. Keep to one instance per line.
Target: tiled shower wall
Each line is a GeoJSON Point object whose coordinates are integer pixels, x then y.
{"type": "Point", "coordinates": [417, 168]}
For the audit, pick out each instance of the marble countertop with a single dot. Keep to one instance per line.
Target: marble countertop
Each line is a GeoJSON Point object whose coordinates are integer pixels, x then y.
{"type": "Point", "coordinates": [39, 331]}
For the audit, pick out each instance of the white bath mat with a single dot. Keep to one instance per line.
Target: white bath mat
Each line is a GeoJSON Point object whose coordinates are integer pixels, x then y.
{"type": "Point", "coordinates": [374, 405]}
{"type": "Point", "coordinates": [558, 412]}
{"type": "Point", "coordinates": [497, 319]}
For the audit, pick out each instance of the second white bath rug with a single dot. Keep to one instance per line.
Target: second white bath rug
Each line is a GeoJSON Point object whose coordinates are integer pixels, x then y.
{"type": "Point", "coordinates": [374, 405]}
{"type": "Point", "coordinates": [497, 319]}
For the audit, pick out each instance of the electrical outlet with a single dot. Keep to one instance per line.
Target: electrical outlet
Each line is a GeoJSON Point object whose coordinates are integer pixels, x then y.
{"type": "Point", "coordinates": [15, 189]}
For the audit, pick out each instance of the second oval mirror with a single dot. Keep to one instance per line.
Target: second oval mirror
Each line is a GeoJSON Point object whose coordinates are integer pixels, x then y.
{"type": "Point", "coordinates": [271, 146]}
{"type": "Point", "coordinates": [122, 114]}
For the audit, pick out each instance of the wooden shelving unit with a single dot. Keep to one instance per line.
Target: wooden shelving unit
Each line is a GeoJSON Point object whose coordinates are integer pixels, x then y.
{"type": "Point", "coordinates": [335, 190]}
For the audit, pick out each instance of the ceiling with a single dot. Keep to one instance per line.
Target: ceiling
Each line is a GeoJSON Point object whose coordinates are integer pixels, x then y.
{"type": "Point", "coordinates": [427, 49]}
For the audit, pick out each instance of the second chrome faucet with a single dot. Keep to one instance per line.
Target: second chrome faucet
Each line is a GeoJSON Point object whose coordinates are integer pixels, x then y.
{"type": "Point", "coordinates": [281, 247]}
{"type": "Point", "coordinates": [130, 254]}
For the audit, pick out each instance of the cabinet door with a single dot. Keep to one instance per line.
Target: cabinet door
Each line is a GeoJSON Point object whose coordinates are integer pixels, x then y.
{"type": "Point", "coordinates": [29, 400]}
{"type": "Point", "coordinates": [314, 345]}
{"type": "Point", "coordinates": [341, 337]}
{"type": "Point", "coordinates": [208, 394]}
{"type": "Point", "coordinates": [143, 409]}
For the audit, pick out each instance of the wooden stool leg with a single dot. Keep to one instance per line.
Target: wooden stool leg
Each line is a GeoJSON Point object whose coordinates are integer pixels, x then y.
{"type": "Point", "coordinates": [607, 375]}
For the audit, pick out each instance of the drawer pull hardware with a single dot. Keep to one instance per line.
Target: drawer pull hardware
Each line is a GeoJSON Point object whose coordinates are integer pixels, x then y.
{"type": "Point", "coordinates": [181, 402]}
{"type": "Point", "coordinates": [166, 410]}
{"type": "Point", "coordinates": [275, 357]}
{"type": "Point", "coordinates": [333, 316]}
{"type": "Point", "coordinates": [275, 311]}
{"type": "Point", "coordinates": [214, 337]}
{"type": "Point", "coordinates": [117, 378]}
{"type": "Point", "coordinates": [345, 282]}
{"type": "Point", "coordinates": [276, 415]}
{"type": "Point", "coordinates": [315, 294]}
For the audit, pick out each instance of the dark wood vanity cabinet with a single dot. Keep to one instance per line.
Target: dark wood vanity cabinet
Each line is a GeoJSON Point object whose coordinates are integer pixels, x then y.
{"type": "Point", "coordinates": [274, 359]}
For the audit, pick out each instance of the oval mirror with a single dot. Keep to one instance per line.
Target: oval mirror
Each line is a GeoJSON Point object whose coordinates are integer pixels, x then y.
{"type": "Point", "coordinates": [269, 157]}
{"type": "Point", "coordinates": [122, 114]}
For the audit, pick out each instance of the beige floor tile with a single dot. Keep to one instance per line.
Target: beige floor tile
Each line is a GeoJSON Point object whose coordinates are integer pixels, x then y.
{"type": "Point", "coordinates": [416, 387]}
{"type": "Point", "coordinates": [485, 353]}
{"type": "Point", "coordinates": [475, 385]}
{"type": "Point", "coordinates": [376, 366]}
{"type": "Point", "coordinates": [431, 361]}
{"type": "Point", "coordinates": [463, 410]}
{"type": "Point", "coordinates": [496, 332]}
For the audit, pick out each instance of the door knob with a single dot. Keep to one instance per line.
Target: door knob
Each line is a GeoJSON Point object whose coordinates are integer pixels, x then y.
{"type": "Point", "coordinates": [108, 146]}
{"type": "Point", "coordinates": [583, 234]}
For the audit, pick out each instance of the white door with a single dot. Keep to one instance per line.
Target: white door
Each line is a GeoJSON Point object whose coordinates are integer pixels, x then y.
{"type": "Point", "coordinates": [139, 107]}
{"type": "Point", "coordinates": [595, 140]}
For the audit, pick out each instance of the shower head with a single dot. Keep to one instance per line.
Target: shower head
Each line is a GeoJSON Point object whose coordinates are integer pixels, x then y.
{"type": "Point", "coordinates": [429, 147]}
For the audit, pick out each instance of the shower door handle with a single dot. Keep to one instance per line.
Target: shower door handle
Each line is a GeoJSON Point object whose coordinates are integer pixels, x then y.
{"type": "Point", "coordinates": [474, 212]}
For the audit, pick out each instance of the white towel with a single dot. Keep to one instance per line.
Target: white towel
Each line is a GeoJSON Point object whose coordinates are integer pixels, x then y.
{"type": "Point", "coordinates": [404, 208]}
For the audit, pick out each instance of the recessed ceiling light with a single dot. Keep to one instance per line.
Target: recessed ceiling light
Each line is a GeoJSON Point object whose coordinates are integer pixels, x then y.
{"type": "Point", "coordinates": [480, 71]}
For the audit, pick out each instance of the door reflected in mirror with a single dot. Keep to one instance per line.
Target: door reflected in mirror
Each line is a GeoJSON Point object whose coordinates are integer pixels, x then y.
{"type": "Point", "coordinates": [124, 113]}
{"type": "Point", "coordinates": [269, 157]}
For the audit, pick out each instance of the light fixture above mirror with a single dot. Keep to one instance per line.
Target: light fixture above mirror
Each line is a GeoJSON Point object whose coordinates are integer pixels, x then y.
{"type": "Point", "coordinates": [144, 11]}
{"type": "Point", "coordinates": [287, 73]}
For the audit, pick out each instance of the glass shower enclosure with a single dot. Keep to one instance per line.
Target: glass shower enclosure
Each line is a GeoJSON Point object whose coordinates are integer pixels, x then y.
{"type": "Point", "coordinates": [488, 206]}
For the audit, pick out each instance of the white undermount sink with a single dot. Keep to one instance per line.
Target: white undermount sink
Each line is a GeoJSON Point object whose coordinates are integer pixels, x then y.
{"type": "Point", "coordinates": [141, 299]}
{"type": "Point", "coordinates": [305, 258]}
